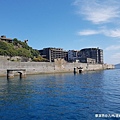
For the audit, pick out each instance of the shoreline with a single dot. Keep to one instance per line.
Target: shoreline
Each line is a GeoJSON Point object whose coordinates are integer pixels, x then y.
{"type": "Point", "coordinates": [48, 73]}
{"type": "Point", "coordinates": [49, 67]}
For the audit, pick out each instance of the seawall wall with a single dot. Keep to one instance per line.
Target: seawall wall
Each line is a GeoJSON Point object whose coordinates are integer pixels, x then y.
{"type": "Point", "coordinates": [47, 67]}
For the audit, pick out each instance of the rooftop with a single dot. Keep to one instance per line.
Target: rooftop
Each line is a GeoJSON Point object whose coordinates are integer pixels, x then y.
{"type": "Point", "coordinates": [3, 38]}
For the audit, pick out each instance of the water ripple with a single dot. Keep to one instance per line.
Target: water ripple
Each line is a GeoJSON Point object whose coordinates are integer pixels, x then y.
{"type": "Point", "coordinates": [60, 96]}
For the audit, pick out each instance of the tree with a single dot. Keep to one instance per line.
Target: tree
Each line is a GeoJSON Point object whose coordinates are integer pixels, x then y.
{"type": "Point", "coordinates": [15, 41]}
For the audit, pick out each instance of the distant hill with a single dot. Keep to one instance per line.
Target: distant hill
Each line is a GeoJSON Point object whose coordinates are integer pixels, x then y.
{"type": "Point", "coordinates": [117, 66]}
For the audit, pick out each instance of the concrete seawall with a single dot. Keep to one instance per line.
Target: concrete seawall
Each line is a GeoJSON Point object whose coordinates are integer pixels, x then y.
{"type": "Point", "coordinates": [47, 67]}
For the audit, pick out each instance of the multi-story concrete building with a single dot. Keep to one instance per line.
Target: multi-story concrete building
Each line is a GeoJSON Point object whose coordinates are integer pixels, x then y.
{"type": "Point", "coordinates": [93, 53]}
{"type": "Point", "coordinates": [72, 55]}
{"type": "Point", "coordinates": [53, 53]}
{"type": "Point", "coordinates": [87, 55]}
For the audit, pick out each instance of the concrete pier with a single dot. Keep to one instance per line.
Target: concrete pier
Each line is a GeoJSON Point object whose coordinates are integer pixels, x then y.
{"type": "Point", "coordinates": [11, 73]}
{"type": "Point", "coordinates": [46, 67]}
{"type": "Point", "coordinates": [78, 70]}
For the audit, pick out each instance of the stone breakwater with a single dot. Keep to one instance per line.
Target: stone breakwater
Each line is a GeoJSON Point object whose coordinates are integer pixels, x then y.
{"type": "Point", "coordinates": [47, 67]}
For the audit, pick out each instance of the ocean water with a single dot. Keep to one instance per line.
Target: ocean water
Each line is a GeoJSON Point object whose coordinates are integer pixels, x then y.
{"type": "Point", "coordinates": [92, 95]}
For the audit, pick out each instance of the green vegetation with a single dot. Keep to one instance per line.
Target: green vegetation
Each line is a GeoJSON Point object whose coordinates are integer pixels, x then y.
{"type": "Point", "coordinates": [39, 59]}
{"type": "Point", "coordinates": [19, 48]}
{"type": "Point", "coordinates": [7, 49]}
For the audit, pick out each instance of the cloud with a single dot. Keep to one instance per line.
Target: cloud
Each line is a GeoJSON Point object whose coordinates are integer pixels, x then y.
{"type": "Point", "coordinates": [98, 11]}
{"type": "Point", "coordinates": [112, 33]}
{"type": "Point", "coordinates": [116, 56]}
{"type": "Point", "coordinates": [113, 47]}
{"type": "Point", "coordinates": [88, 32]}
{"type": "Point", "coordinates": [107, 32]}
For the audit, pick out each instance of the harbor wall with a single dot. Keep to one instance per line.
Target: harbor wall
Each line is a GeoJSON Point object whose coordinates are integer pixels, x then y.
{"type": "Point", "coordinates": [49, 67]}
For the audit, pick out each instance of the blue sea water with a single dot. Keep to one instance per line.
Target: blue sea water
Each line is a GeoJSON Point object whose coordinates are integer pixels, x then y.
{"type": "Point", "coordinates": [65, 96]}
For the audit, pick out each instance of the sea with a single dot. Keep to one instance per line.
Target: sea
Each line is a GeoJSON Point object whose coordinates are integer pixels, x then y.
{"type": "Point", "coordinates": [93, 95]}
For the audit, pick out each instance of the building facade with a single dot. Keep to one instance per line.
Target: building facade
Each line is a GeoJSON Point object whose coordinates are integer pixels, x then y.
{"type": "Point", "coordinates": [92, 53]}
{"type": "Point", "coordinates": [87, 60]}
{"type": "Point", "coordinates": [54, 53]}
{"type": "Point", "coordinates": [72, 55]}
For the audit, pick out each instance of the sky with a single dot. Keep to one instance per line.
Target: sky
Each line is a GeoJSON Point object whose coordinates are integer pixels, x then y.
{"type": "Point", "coordinates": [67, 24]}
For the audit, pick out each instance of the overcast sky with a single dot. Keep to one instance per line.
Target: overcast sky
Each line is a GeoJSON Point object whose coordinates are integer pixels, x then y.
{"type": "Point", "coordinates": [67, 24]}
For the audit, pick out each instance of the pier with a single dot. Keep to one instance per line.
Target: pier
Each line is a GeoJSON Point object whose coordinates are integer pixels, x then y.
{"type": "Point", "coordinates": [78, 70]}
{"type": "Point", "coordinates": [11, 73]}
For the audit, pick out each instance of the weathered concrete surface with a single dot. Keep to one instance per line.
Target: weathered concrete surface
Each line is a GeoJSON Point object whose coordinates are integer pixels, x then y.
{"type": "Point", "coordinates": [11, 73]}
{"type": "Point", "coordinates": [47, 67]}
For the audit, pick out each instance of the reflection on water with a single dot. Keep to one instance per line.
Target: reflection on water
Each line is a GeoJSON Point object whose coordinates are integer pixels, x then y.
{"type": "Point", "coordinates": [60, 96]}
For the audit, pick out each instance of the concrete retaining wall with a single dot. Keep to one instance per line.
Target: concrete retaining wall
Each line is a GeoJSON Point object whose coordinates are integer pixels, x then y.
{"type": "Point", "coordinates": [47, 67]}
